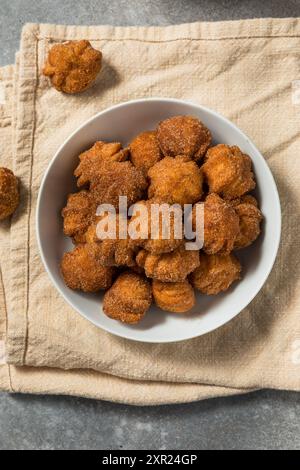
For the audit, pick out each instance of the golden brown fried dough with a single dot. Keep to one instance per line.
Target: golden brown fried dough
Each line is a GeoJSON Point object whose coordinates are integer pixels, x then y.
{"type": "Point", "coordinates": [92, 160]}
{"type": "Point", "coordinates": [81, 271]}
{"type": "Point", "coordinates": [169, 267]}
{"type": "Point", "coordinates": [175, 180]}
{"type": "Point", "coordinates": [216, 273]}
{"type": "Point", "coordinates": [9, 193]}
{"type": "Point", "coordinates": [164, 162]}
{"type": "Point", "coordinates": [221, 225]}
{"type": "Point", "coordinates": [245, 199]}
{"type": "Point", "coordinates": [183, 135]}
{"type": "Point", "coordinates": [117, 253]}
{"type": "Point", "coordinates": [112, 252]}
{"type": "Point", "coordinates": [250, 218]}
{"type": "Point", "coordinates": [72, 66]}
{"type": "Point", "coordinates": [118, 179]}
{"type": "Point", "coordinates": [145, 151]}
{"type": "Point", "coordinates": [128, 299]}
{"type": "Point", "coordinates": [79, 214]}
{"type": "Point", "coordinates": [159, 244]}
{"type": "Point", "coordinates": [177, 297]}
{"type": "Point", "coordinates": [228, 171]}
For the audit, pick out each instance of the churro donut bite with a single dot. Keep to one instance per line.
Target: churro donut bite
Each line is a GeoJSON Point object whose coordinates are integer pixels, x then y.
{"type": "Point", "coordinates": [157, 242]}
{"type": "Point", "coordinates": [183, 135]}
{"type": "Point", "coordinates": [9, 193]}
{"type": "Point", "coordinates": [118, 179]}
{"type": "Point", "coordinates": [221, 225]}
{"type": "Point", "coordinates": [78, 215]}
{"type": "Point", "coordinates": [177, 297]}
{"type": "Point", "coordinates": [72, 66]}
{"type": "Point", "coordinates": [81, 271]}
{"type": "Point", "coordinates": [112, 251]}
{"type": "Point", "coordinates": [216, 273]}
{"type": "Point", "coordinates": [250, 218]}
{"type": "Point", "coordinates": [145, 151]}
{"type": "Point", "coordinates": [169, 267]}
{"type": "Point", "coordinates": [228, 171]}
{"type": "Point", "coordinates": [117, 253]}
{"type": "Point", "coordinates": [129, 298]}
{"type": "Point", "coordinates": [92, 160]}
{"type": "Point", "coordinates": [245, 199]}
{"type": "Point", "coordinates": [175, 180]}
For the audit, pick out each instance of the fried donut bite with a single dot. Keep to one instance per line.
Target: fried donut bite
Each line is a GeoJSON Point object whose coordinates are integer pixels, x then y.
{"type": "Point", "coordinates": [216, 273]}
{"type": "Point", "coordinates": [145, 151]}
{"type": "Point", "coordinates": [183, 135]}
{"type": "Point", "coordinates": [175, 180]}
{"type": "Point", "coordinates": [128, 299]}
{"type": "Point", "coordinates": [9, 193]}
{"type": "Point", "coordinates": [169, 267]}
{"type": "Point", "coordinates": [118, 179]}
{"type": "Point", "coordinates": [245, 199]}
{"type": "Point", "coordinates": [228, 171]}
{"type": "Point", "coordinates": [78, 215]}
{"type": "Point", "coordinates": [155, 242]}
{"type": "Point", "coordinates": [72, 66]}
{"type": "Point", "coordinates": [93, 159]}
{"type": "Point", "coordinates": [221, 225]}
{"type": "Point", "coordinates": [177, 297]}
{"type": "Point", "coordinates": [112, 251]}
{"type": "Point", "coordinates": [81, 271]}
{"type": "Point", "coordinates": [250, 218]}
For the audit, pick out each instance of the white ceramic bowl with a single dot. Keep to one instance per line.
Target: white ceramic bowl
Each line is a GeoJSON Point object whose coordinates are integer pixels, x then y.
{"type": "Point", "coordinates": [122, 123]}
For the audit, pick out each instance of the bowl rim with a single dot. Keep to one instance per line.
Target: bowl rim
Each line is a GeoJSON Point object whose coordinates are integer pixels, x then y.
{"type": "Point", "coordinates": [213, 113]}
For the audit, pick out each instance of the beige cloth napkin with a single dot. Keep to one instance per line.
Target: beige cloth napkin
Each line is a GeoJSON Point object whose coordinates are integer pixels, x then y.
{"type": "Point", "coordinates": [246, 70]}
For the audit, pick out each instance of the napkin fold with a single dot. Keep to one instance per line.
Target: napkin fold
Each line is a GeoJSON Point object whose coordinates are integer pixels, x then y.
{"type": "Point", "coordinates": [247, 71]}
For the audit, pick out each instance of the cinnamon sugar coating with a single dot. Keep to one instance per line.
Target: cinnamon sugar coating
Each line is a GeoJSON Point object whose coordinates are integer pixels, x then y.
{"type": "Point", "coordinates": [72, 66]}
{"type": "Point", "coordinates": [183, 135]}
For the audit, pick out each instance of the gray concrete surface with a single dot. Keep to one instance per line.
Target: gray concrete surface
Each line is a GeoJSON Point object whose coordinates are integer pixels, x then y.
{"type": "Point", "coordinates": [262, 420]}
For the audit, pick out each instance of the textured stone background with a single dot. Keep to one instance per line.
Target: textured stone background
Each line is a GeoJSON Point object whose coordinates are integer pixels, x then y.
{"type": "Point", "coordinates": [262, 420]}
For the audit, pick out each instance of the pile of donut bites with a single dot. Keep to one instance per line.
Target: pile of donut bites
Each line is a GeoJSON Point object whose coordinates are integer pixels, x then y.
{"type": "Point", "coordinates": [173, 164]}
